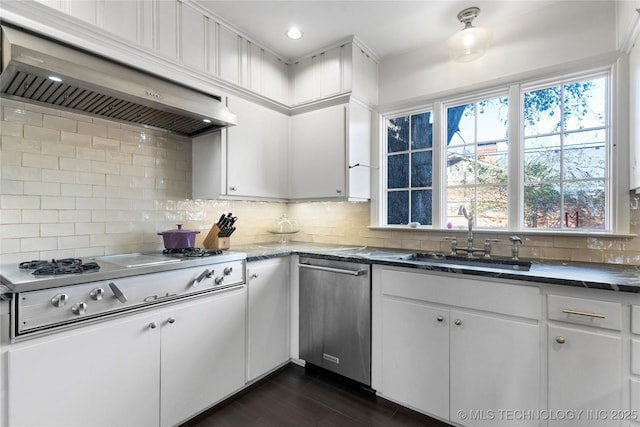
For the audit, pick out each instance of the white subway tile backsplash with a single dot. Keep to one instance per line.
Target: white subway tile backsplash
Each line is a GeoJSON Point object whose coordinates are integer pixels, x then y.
{"type": "Point", "coordinates": [41, 161]}
{"type": "Point", "coordinates": [49, 202]}
{"type": "Point", "coordinates": [90, 203]}
{"type": "Point", "coordinates": [76, 139]}
{"type": "Point", "coordinates": [10, 216]}
{"type": "Point", "coordinates": [106, 143]}
{"type": "Point", "coordinates": [118, 204]}
{"type": "Point", "coordinates": [90, 178]}
{"type": "Point", "coordinates": [73, 242]}
{"type": "Point", "coordinates": [118, 157]}
{"type": "Point", "coordinates": [11, 158]}
{"type": "Point", "coordinates": [40, 216]}
{"type": "Point", "coordinates": [88, 228]}
{"type": "Point", "coordinates": [41, 188]}
{"type": "Point", "coordinates": [11, 129]}
{"type": "Point", "coordinates": [76, 165]}
{"type": "Point", "coordinates": [8, 246]}
{"type": "Point", "coordinates": [118, 181]}
{"type": "Point", "coordinates": [19, 114]}
{"type": "Point", "coordinates": [132, 170]}
{"type": "Point", "coordinates": [146, 161]}
{"type": "Point", "coordinates": [92, 129]}
{"type": "Point", "coordinates": [67, 177]}
{"type": "Point", "coordinates": [105, 167]}
{"type": "Point", "coordinates": [58, 149]}
{"type": "Point", "coordinates": [38, 244]}
{"type": "Point", "coordinates": [41, 134]}
{"type": "Point", "coordinates": [91, 153]}
{"type": "Point", "coordinates": [12, 231]}
{"type": "Point", "coordinates": [59, 123]}
{"type": "Point", "coordinates": [11, 201]}
{"type": "Point", "coordinates": [14, 143]}
{"type": "Point", "coordinates": [8, 186]}
{"type": "Point", "coordinates": [76, 215]}
{"type": "Point", "coordinates": [55, 230]}
{"type": "Point", "coordinates": [76, 190]}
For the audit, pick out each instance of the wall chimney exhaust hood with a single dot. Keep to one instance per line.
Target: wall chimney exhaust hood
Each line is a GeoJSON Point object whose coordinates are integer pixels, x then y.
{"type": "Point", "coordinates": [41, 71]}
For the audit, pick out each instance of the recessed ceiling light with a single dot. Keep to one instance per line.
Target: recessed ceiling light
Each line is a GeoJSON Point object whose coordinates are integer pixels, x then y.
{"type": "Point", "coordinates": [294, 33]}
{"type": "Point", "coordinates": [206, 120]}
{"type": "Point", "coordinates": [55, 79]}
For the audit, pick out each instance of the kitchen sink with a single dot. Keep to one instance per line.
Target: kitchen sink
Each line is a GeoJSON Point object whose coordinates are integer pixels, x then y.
{"type": "Point", "coordinates": [494, 263]}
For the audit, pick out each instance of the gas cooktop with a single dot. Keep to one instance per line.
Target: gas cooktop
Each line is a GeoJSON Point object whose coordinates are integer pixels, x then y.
{"type": "Point", "coordinates": [60, 266]}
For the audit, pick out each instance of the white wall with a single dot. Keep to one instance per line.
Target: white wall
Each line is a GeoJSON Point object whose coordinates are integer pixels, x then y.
{"type": "Point", "coordinates": [428, 72]}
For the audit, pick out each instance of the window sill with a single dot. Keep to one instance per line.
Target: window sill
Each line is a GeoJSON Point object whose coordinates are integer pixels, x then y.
{"type": "Point", "coordinates": [556, 233]}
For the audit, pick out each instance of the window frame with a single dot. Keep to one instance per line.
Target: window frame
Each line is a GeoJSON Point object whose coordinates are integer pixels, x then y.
{"type": "Point", "coordinates": [616, 220]}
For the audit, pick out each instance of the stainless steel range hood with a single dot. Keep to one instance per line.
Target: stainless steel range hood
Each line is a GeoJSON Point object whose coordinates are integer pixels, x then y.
{"type": "Point", "coordinates": [42, 71]}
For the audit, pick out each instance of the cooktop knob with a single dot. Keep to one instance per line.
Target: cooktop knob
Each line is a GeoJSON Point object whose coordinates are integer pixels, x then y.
{"type": "Point", "coordinates": [96, 294]}
{"type": "Point", "coordinates": [218, 280]}
{"type": "Point", "coordinates": [59, 300]}
{"type": "Point", "coordinates": [228, 270]}
{"type": "Point", "coordinates": [79, 308]}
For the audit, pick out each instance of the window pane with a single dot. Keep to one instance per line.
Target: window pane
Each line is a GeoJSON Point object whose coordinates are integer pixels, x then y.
{"type": "Point", "coordinates": [492, 163]}
{"type": "Point", "coordinates": [542, 206]}
{"type": "Point", "coordinates": [542, 111]}
{"type": "Point", "coordinates": [584, 204]}
{"type": "Point", "coordinates": [493, 117]}
{"type": "Point", "coordinates": [398, 134]}
{"type": "Point", "coordinates": [421, 202]}
{"type": "Point", "coordinates": [398, 171]}
{"type": "Point", "coordinates": [491, 207]}
{"type": "Point", "coordinates": [461, 165]}
{"type": "Point", "coordinates": [398, 207]}
{"type": "Point", "coordinates": [542, 158]}
{"type": "Point", "coordinates": [421, 169]}
{"type": "Point", "coordinates": [456, 197]}
{"type": "Point", "coordinates": [461, 125]}
{"type": "Point", "coordinates": [584, 155]}
{"type": "Point", "coordinates": [585, 104]}
{"type": "Point", "coordinates": [421, 131]}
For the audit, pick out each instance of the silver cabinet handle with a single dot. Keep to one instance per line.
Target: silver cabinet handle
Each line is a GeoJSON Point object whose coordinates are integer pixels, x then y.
{"type": "Point", "coordinates": [560, 340]}
{"type": "Point", "coordinates": [584, 313]}
{"type": "Point", "coordinates": [233, 188]}
{"type": "Point", "coordinates": [255, 276]}
{"type": "Point", "coordinates": [59, 300]}
{"type": "Point", "coordinates": [153, 325]}
{"type": "Point", "coordinates": [440, 318]}
{"type": "Point", "coordinates": [79, 309]}
{"type": "Point", "coordinates": [171, 320]}
{"type": "Point", "coordinates": [117, 293]}
{"type": "Point", "coordinates": [458, 322]}
{"type": "Point", "coordinates": [334, 270]}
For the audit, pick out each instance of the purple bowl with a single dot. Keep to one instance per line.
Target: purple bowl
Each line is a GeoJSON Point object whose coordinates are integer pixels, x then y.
{"type": "Point", "coordinates": [179, 238]}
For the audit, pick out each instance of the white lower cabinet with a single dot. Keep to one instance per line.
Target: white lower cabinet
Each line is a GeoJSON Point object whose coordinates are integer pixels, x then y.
{"type": "Point", "coordinates": [156, 368]}
{"type": "Point", "coordinates": [268, 316]}
{"type": "Point", "coordinates": [459, 357]}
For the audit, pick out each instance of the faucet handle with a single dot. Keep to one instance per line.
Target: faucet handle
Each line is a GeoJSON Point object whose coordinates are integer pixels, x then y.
{"type": "Point", "coordinates": [514, 249]}
{"type": "Point", "coordinates": [514, 239]}
{"type": "Point", "coordinates": [487, 247]}
{"type": "Point", "coordinates": [454, 244]}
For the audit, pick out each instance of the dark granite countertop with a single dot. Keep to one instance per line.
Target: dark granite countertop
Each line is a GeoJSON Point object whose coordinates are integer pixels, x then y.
{"type": "Point", "coordinates": [613, 277]}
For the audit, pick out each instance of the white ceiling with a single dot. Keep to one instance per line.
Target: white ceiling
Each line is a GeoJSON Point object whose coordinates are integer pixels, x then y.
{"type": "Point", "coordinates": [387, 27]}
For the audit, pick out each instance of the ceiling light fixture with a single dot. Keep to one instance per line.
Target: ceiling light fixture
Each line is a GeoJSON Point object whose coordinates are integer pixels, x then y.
{"type": "Point", "coordinates": [470, 43]}
{"type": "Point", "coordinates": [294, 33]}
{"type": "Point", "coordinates": [55, 79]}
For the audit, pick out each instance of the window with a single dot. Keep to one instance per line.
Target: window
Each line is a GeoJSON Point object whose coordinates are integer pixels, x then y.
{"type": "Point", "coordinates": [477, 162]}
{"type": "Point", "coordinates": [565, 155]}
{"type": "Point", "coordinates": [409, 158]}
{"type": "Point", "coordinates": [554, 176]}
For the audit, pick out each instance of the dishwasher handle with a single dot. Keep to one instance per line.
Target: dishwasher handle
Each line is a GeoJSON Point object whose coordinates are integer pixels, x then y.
{"type": "Point", "coordinates": [334, 270]}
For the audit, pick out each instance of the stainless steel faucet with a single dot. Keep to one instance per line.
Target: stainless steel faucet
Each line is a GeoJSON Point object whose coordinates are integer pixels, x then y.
{"type": "Point", "coordinates": [469, 249]}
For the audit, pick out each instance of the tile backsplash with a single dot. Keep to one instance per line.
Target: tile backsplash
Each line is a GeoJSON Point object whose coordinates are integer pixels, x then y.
{"type": "Point", "coordinates": [76, 186]}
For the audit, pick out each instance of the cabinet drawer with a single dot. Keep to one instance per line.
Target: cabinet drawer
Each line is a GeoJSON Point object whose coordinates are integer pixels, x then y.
{"type": "Point", "coordinates": [635, 395]}
{"type": "Point", "coordinates": [602, 314]}
{"type": "Point", "coordinates": [635, 357]}
{"type": "Point", "coordinates": [503, 298]}
{"type": "Point", "coordinates": [635, 319]}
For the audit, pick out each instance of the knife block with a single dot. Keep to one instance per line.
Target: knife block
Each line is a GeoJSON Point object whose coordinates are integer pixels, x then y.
{"type": "Point", "coordinates": [212, 241]}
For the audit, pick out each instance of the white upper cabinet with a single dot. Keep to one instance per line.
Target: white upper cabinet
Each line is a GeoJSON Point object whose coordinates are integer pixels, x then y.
{"type": "Point", "coordinates": [249, 160]}
{"type": "Point", "coordinates": [634, 115]}
{"type": "Point", "coordinates": [193, 37]}
{"type": "Point", "coordinates": [339, 70]}
{"type": "Point", "coordinates": [330, 152]}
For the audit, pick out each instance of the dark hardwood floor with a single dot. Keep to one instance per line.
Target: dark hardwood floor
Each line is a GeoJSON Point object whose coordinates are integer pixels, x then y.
{"type": "Point", "coordinates": [297, 396]}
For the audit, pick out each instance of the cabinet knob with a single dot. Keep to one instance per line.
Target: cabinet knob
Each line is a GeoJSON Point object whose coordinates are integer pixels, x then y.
{"type": "Point", "coordinates": [152, 325]}
{"type": "Point", "coordinates": [560, 340]}
{"type": "Point", "coordinates": [339, 191]}
{"type": "Point", "coordinates": [458, 322]}
{"type": "Point", "coordinates": [255, 276]}
{"type": "Point", "coordinates": [233, 188]}
{"type": "Point", "coordinates": [171, 320]}
{"type": "Point", "coordinates": [440, 318]}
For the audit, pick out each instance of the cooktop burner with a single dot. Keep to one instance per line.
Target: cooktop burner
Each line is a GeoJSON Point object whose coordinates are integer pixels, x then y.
{"type": "Point", "coordinates": [60, 266]}
{"type": "Point", "coordinates": [192, 252]}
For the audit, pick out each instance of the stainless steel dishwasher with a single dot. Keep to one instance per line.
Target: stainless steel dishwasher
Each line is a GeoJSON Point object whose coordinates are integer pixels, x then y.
{"type": "Point", "coordinates": [335, 316]}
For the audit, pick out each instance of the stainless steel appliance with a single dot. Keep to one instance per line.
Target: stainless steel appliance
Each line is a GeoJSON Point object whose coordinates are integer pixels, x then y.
{"type": "Point", "coordinates": [71, 292]}
{"type": "Point", "coordinates": [39, 70]}
{"type": "Point", "coordinates": [335, 316]}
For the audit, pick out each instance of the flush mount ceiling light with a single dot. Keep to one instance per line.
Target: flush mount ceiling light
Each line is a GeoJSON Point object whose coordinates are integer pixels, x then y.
{"type": "Point", "coordinates": [294, 33]}
{"type": "Point", "coordinates": [470, 43]}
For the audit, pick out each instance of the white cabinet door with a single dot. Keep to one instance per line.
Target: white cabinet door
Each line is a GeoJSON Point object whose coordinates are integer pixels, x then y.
{"type": "Point", "coordinates": [229, 57]}
{"type": "Point", "coordinates": [268, 316]}
{"type": "Point", "coordinates": [585, 369]}
{"type": "Point", "coordinates": [103, 375]}
{"type": "Point", "coordinates": [257, 152]}
{"type": "Point", "coordinates": [415, 355]}
{"type": "Point", "coordinates": [203, 344]}
{"type": "Point", "coordinates": [495, 365]}
{"type": "Point", "coordinates": [306, 84]}
{"type": "Point", "coordinates": [318, 163]}
{"type": "Point", "coordinates": [634, 115]}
